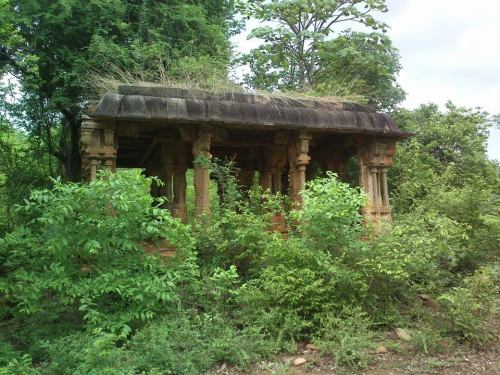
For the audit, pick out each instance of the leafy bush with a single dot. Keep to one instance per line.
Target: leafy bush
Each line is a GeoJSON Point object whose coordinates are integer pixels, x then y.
{"type": "Point", "coordinates": [311, 272]}
{"type": "Point", "coordinates": [80, 255]}
{"type": "Point", "coordinates": [330, 218]}
{"type": "Point", "coordinates": [428, 339]}
{"type": "Point", "coordinates": [177, 344]}
{"type": "Point", "coordinates": [471, 306]}
{"type": "Point", "coordinates": [346, 336]}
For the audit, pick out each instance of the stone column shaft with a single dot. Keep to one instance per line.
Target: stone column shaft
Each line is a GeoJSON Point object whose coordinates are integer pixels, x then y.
{"type": "Point", "coordinates": [385, 197]}
{"type": "Point", "coordinates": [179, 202]}
{"type": "Point", "coordinates": [202, 156]}
{"type": "Point", "coordinates": [299, 160]}
{"type": "Point", "coordinates": [266, 180]}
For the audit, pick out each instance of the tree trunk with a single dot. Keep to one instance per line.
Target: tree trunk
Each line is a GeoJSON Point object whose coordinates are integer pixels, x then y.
{"type": "Point", "coordinates": [74, 171]}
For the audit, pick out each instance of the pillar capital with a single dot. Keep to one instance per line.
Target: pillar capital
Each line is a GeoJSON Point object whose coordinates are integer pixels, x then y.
{"type": "Point", "coordinates": [377, 152]}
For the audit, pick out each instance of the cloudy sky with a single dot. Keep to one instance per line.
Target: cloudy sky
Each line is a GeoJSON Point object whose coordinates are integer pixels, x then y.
{"type": "Point", "coordinates": [450, 50]}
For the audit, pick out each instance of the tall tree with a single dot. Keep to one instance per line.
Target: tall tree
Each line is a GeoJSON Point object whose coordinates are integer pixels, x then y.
{"type": "Point", "coordinates": [304, 47]}
{"type": "Point", "coordinates": [51, 46]}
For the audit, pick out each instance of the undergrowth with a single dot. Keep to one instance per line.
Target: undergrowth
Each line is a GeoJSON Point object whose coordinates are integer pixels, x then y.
{"type": "Point", "coordinates": [80, 295]}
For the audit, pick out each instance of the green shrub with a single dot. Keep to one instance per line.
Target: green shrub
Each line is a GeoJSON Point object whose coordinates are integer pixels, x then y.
{"type": "Point", "coordinates": [85, 353]}
{"type": "Point", "coordinates": [180, 344]}
{"type": "Point", "coordinates": [295, 284]}
{"type": "Point", "coordinates": [330, 218]}
{"type": "Point", "coordinates": [428, 339]}
{"type": "Point", "coordinates": [21, 366]}
{"type": "Point", "coordinates": [471, 307]}
{"type": "Point", "coordinates": [346, 336]}
{"type": "Point", "coordinates": [79, 256]}
{"type": "Point", "coordinates": [235, 238]}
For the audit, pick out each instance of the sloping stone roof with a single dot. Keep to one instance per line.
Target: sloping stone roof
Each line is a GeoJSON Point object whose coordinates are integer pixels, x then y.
{"type": "Point", "coordinates": [242, 110]}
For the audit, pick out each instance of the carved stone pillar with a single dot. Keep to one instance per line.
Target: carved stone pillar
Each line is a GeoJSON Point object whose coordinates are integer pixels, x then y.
{"type": "Point", "coordinates": [179, 209]}
{"type": "Point", "coordinates": [375, 158]}
{"type": "Point", "coordinates": [98, 147]}
{"type": "Point", "coordinates": [277, 160]}
{"type": "Point", "coordinates": [202, 156]}
{"type": "Point", "coordinates": [167, 169]}
{"type": "Point", "coordinates": [298, 161]}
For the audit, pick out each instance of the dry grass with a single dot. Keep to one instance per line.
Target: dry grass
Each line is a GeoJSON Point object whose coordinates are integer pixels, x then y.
{"type": "Point", "coordinates": [108, 81]}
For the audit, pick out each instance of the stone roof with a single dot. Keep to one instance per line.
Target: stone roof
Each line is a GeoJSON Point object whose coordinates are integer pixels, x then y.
{"type": "Point", "coordinates": [133, 102]}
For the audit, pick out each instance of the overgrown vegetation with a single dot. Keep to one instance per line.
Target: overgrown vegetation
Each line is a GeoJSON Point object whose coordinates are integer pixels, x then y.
{"type": "Point", "coordinates": [81, 295]}
{"type": "Point", "coordinates": [79, 291]}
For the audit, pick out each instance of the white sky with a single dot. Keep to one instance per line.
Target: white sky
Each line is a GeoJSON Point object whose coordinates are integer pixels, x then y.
{"type": "Point", "coordinates": [450, 50]}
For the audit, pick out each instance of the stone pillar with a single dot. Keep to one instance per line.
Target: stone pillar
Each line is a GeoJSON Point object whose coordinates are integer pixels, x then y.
{"type": "Point", "coordinates": [179, 209]}
{"type": "Point", "coordinates": [277, 160]}
{"type": "Point", "coordinates": [336, 162]}
{"type": "Point", "coordinates": [167, 171]}
{"type": "Point", "coordinates": [298, 161]}
{"type": "Point", "coordinates": [276, 181]}
{"type": "Point", "coordinates": [98, 147]}
{"type": "Point", "coordinates": [375, 158]}
{"type": "Point", "coordinates": [245, 178]}
{"type": "Point", "coordinates": [266, 180]}
{"type": "Point", "coordinates": [202, 156]}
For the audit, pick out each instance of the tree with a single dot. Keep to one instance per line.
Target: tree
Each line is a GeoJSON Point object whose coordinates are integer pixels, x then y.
{"type": "Point", "coordinates": [51, 46]}
{"type": "Point", "coordinates": [363, 63]}
{"type": "Point", "coordinates": [299, 54]}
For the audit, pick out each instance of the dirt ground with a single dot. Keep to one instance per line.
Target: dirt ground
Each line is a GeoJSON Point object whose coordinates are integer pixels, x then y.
{"type": "Point", "coordinates": [401, 359]}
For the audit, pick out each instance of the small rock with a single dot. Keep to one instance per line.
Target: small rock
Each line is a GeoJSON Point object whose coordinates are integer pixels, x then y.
{"type": "Point", "coordinates": [299, 361]}
{"type": "Point", "coordinates": [312, 347]}
{"type": "Point", "coordinates": [307, 351]}
{"type": "Point", "coordinates": [86, 269]}
{"type": "Point", "coordinates": [381, 350]}
{"type": "Point", "coordinates": [428, 301]}
{"type": "Point", "coordinates": [402, 334]}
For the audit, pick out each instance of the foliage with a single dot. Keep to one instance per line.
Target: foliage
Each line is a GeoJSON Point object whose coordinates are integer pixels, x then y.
{"type": "Point", "coordinates": [79, 256]}
{"type": "Point", "coordinates": [471, 306]}
{"type": "Point", "coordinates": [363, 63]}
{"type": "Point", "coordinates": [346, 336]}
{"type": "Point", "coordinates": [24, 167]}
{"type": "Point", "coordinates": [444, 169]}
{"type": "Point", "coordinates": [182, 344]}
{"type": "Point", "coordinates": [56, 44]}
{"type": "Point", "coordinates": [299, 52]}
{"type": "Point", "coordinates": [330, 216]}
{"type": "Point", "coordinates": [421, 251]}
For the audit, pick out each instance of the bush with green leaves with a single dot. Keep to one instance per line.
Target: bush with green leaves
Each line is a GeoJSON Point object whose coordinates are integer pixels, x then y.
{"type": "Point", "coordinates": [79, 257]}
{"type": "Point", "coordinates": [330, 217]}
{"type": "Point", "coordinates": [182, 344]}
{"type": "Point", "coordinates": [311, 272]}
{"type": "Point", "coordinates": [471, 307]}
{"type": "Point", "coordinates": [346, 336]}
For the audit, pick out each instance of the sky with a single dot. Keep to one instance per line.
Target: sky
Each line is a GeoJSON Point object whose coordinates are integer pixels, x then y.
{"type": "Point", "coordinates": [450, 50]}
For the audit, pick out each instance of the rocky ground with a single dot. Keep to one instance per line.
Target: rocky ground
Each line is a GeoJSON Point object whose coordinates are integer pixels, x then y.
{"type": "Point", "coordinates": [393, 356]}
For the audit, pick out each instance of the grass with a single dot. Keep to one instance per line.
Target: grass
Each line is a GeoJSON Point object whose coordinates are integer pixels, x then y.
{"type": "Point", "coordinates": [108, 81]}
